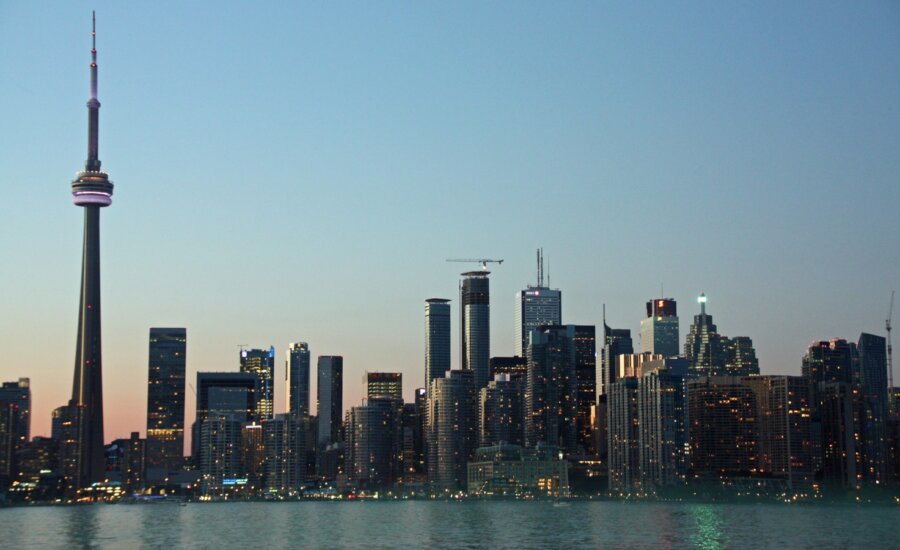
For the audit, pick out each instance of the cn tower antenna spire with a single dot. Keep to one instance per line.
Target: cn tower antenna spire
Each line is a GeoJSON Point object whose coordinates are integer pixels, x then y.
{"type": "Point", "coordinates": [93, 161]}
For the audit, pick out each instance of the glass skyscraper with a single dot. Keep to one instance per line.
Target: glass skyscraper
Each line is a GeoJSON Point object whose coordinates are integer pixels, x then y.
{"type": "Point", "coordinates": [475, 325]}
{"type": "Point", "coordinates": [297, 374]}
{"type": "Point", "coordinates": [437, 339]}
{"type": "Point", "coordinates": [659, 329]}
{"type": "Point", "coordinates": [329, 398]}
{"type": "Point", "coordinates": [262, 363]}
{"type": "Point", "coordinates": [536, 306]}
{"type": "Point", "coordinates": [165, 397]}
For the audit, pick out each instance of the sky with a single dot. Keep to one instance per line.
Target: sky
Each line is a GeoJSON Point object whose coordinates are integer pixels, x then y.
{"type": "Point", "coordinates": [301, 171]}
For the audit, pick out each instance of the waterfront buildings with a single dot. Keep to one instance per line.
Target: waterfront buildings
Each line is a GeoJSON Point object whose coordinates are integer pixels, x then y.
{"type": "Point", "coordinates": [437, 339]}
{"type": "Point", "coordinates": [329, 398]}
{"type": "Point", "coordinates": [92, 191]}
{"type": "Point", "coordinates": [510, 470]}
{"type": "Point", "coordinates": [623, 446]}
{"type": "Point", "coordinates": [227, 394]}
{"type": "Point", "coordinates": [15, 426]}
{"type": "Point", "coordinates": [659, 329]}
{"type": "Point", "coordinates": [723, 431]}
{"type": "Point", "coordinates": [296, 372]}
{"type": "Point", "coordinates": [374, 444]}
{"type": "Point", "coordinates": [585, 342]}
{"type": "Point", "coordinates": [165, 397]}
{"type": "Point", "coordinates": [451, 429]}
{"type": "Point", "coordinates": [261, 363]}
{"type": "Point", "coordinates": [615, 342]}
{"type": "Point", "coordinates": [475, 324]}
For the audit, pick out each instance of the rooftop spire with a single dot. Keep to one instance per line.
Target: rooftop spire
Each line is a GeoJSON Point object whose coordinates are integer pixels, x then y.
{"type": "Point", "coordinates": [93, 161]}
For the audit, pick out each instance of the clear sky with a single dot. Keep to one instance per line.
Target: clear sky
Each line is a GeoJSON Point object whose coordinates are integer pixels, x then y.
{"type": "Point", "coordinates": [300, 172]}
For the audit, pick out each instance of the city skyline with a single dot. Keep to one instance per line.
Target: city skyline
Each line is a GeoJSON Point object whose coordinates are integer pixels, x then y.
{"type": "Point", "coordinates": [212, 284]}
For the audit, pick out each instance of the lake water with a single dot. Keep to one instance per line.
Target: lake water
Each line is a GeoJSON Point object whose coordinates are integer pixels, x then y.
{"type": "Point", "coordinates": [472, 524]}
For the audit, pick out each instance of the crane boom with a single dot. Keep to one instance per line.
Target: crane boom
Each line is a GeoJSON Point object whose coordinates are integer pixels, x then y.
{"type": "Point", "coordinates": [482, 261]}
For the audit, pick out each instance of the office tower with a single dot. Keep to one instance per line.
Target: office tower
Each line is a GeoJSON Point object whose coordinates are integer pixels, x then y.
{"type": "Point", "coordinates": [615, 342]}
{"type": "Point", "coordinates": [296, 372]}
{"type": "Point", "coordinates": [229, 394]}
{"type": "Point", "coordinates": [127, 460]}
{"type": "Point", "coordinates": [831, 368]}
{"type": "Point", "coordinates": [723, 432]}
{"type": "Point", "coordinates": [739, 356]}
{"type": "Point", "coordinates": [329, 398]}
{"type": "Point", "coordinates": [624, 436]}
{"type": "Point", "coordinates": [437, 339]}
{"type": "Point", "coordinates": [91, 190]}
{"type": "Point", "coordinates": [501, 411]}
{"type": "Point", "coordinates": [261, 363]}
{"type": "Point", "coordinates": [165, 397]}
{"type": "Point", "coordinates": [875, 411]}
{"type": "Point", "coordinates": [586, 385]}
{"type": "Point", "coordinates": [659, 329]}
{"type": "Point", "coordinates": [784, 429]}
{"type": "Point", "coordinates": [703, 346]}
{"type": "Point", "coordinates": [452, 429]}
{"type": "Point", "coordinates": [19, 393]}
{"type": "Point", "coordinates": [252, 455]}
{"type": "Point", "coordinates": [509, 470]}
{"type": "Point", "coordinates": [475, 325]}
{"type": "Point", "coordinates": [373, 443]}
{"type": "Point", "coordinates": [388, 384]}
{"type": "Point", "coordinates": [536, 306]}
{"type": "Point", "coordinates": [662, 430]}
{"type": "Point", "coordinates": [551, 390]}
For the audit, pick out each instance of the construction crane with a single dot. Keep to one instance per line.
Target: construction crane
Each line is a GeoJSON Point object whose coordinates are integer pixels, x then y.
{"type": "Point", "coordinates": [482, 261]}
{"type": "Point", "coordinates": [890, 357]}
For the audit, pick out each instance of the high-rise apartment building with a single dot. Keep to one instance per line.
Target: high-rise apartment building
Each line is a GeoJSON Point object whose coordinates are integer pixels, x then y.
{"type": "Point", "coordinates": [659, 329]}
{"type": "Point", "coordinates": [296, 371]}
{"type": "Point", "coordinates": [586, 385]}
{"type": "Point", "coordinates": [723, 432]}
{"type": "Point", "coordinates": [261, 363]}
{"type": "Point", "coordinates": [501, 412]}
{"type": "Point", "coordinates": [374, 443]}
{"type": "Point", "coordinates": [437, 339]}
{"type": "Point", "coordinates": [875, 410]}
{"type": "Point", "coordinates": [329, 398]}
{"type": "Point", "coordinates": [165, 397]}
{"type": "Point", "coordinates": [624, 436]}
{"type": "Point", "coordinates": [451, 429]}
{"type": "Point", "coordinates": [227, 394]}
{"type": "Point", "coordinates": [475, 324]}
{"type": "Point", "coordinates": [663, 430]}
{"type": "Point", "coordinates": [15, 426]}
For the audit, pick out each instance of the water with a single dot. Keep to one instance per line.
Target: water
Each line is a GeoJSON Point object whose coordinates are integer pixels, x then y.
{"type": "Point", "coordinates": [421, 524]}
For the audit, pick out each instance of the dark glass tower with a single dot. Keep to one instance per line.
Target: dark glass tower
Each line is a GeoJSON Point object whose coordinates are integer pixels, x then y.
{"type": "Point", "coordinates": [91, 190]}
{"type": "Point", "coordinates": [165, 397]}
{"type": "Point", "coordinates": [475, 329]}
{"type": "Point", "coordinates": [297, 373]}
{"type": "Point", "coordinates": [329, 398]}
{"type": "Point", "coordinates": [261, 362]}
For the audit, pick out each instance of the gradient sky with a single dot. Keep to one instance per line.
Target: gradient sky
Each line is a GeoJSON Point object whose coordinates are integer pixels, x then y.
{"type": "Point", "coordinates": [301, 172]}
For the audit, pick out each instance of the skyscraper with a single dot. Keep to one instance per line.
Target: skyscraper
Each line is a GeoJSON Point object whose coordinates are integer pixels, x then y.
{"type": "Point", "coordinates": [297, 374]}
{"type": "Point", "coordinates": [329, 398]}
{"type": "Point", "coordinates": [703, 347]}
{"type": "Point", "coordinates": [659, 329]}
{"type": "Point", "coordinates": [500, 412]}
{"type": "Point", "coordinates": [475, 325]}
{"type": "Point", "coordinates": [228, 394]}
{"type": "Point", "coordinates": [437, 339]}
{"type": "Point", "coordinates": [875, 410]}
{"type": "Point", "coordinates": [451, 429]}
{"type": "Point", "coordinates": [536, 306]}
{"type": "Point", "coordinates": [91, 190]}
{"type": "Point", "coordinates": [373, 443]}
{"type": "Point", "coordinates": [551, 389]}
{"type": "Point", "coordinates": [723, 432]}
{"type": "Point", "coordinates": [740, 356]}
{"type": "Point", "coordinates": [262, 363]}
{"type": "Point", "coordinates": [18, 393]}
{"type": "Point", "coordinates": [165, 397]}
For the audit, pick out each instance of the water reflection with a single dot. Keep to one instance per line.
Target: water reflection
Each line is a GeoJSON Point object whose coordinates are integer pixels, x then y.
{"type": "Point", "coordinates": [82, 526]}
{"type": "Point", "coordinates": [708, 522]}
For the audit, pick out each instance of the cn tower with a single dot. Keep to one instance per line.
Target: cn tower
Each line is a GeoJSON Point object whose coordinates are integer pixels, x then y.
{"type": "Point", "coordinates": [91, 190]}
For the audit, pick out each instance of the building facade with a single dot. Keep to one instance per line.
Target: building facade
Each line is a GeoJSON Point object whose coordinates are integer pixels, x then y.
{"type": "Point", "coordinates": [165, 397]}
{"type": "Point", "coordinates": [475, 324]}
{"type": "Point", "coordinates": [261, 362]}
{"type": "Point", "coordinates": [329, 398]}
{"type": "Point", "coordinates": [659, 329]}
{"type": "Point", "coordinates": [296, 371]}
{"type": "Point", "coordinates": [437, 339]}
